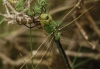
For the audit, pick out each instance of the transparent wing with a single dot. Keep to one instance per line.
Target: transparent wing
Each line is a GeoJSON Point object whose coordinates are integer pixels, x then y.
{"type": "Point", "coordinates": [42, 55]}
{"type": "Point", "coordinates": [45, 54]}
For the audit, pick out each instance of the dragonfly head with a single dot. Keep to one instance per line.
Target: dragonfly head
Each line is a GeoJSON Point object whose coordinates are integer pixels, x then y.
{"type": "Point", "coordinates": [45, 19]}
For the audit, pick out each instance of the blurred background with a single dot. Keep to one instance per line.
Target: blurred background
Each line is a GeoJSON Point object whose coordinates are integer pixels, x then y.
{"type": "Point", "coordinates": [81, 39]}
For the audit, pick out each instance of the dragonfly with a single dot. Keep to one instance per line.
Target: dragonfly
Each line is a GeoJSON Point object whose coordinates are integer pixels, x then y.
{"type": "Point", "coordinates": [53, 30]}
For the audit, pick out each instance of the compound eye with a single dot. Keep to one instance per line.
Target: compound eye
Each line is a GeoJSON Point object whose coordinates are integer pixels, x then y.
{"type": "Point", "coordinates": [47, 17]}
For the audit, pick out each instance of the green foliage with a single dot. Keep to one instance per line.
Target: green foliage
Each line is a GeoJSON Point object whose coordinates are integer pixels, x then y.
{"type": "Point", "coordinates": [37, 10]}
{"type": "Point", "coordinates": [19, 6]}
{"type": "Point", "coordinates": [42, 3]}
{"type": "Point", "coordinates": [40, 7]}
{"type": "Point", "coordinates": [28, 12]}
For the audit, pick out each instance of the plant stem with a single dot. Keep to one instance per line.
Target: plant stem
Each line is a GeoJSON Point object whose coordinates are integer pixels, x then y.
{"type": "Point", "coordinates": [76, 57]}
{"type": "Point", "coordinates": [31, 46]}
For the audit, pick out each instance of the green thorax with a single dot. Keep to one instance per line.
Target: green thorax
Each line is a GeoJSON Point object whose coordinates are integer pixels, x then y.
{"type": "Point", "coordinates": [49, 28]}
